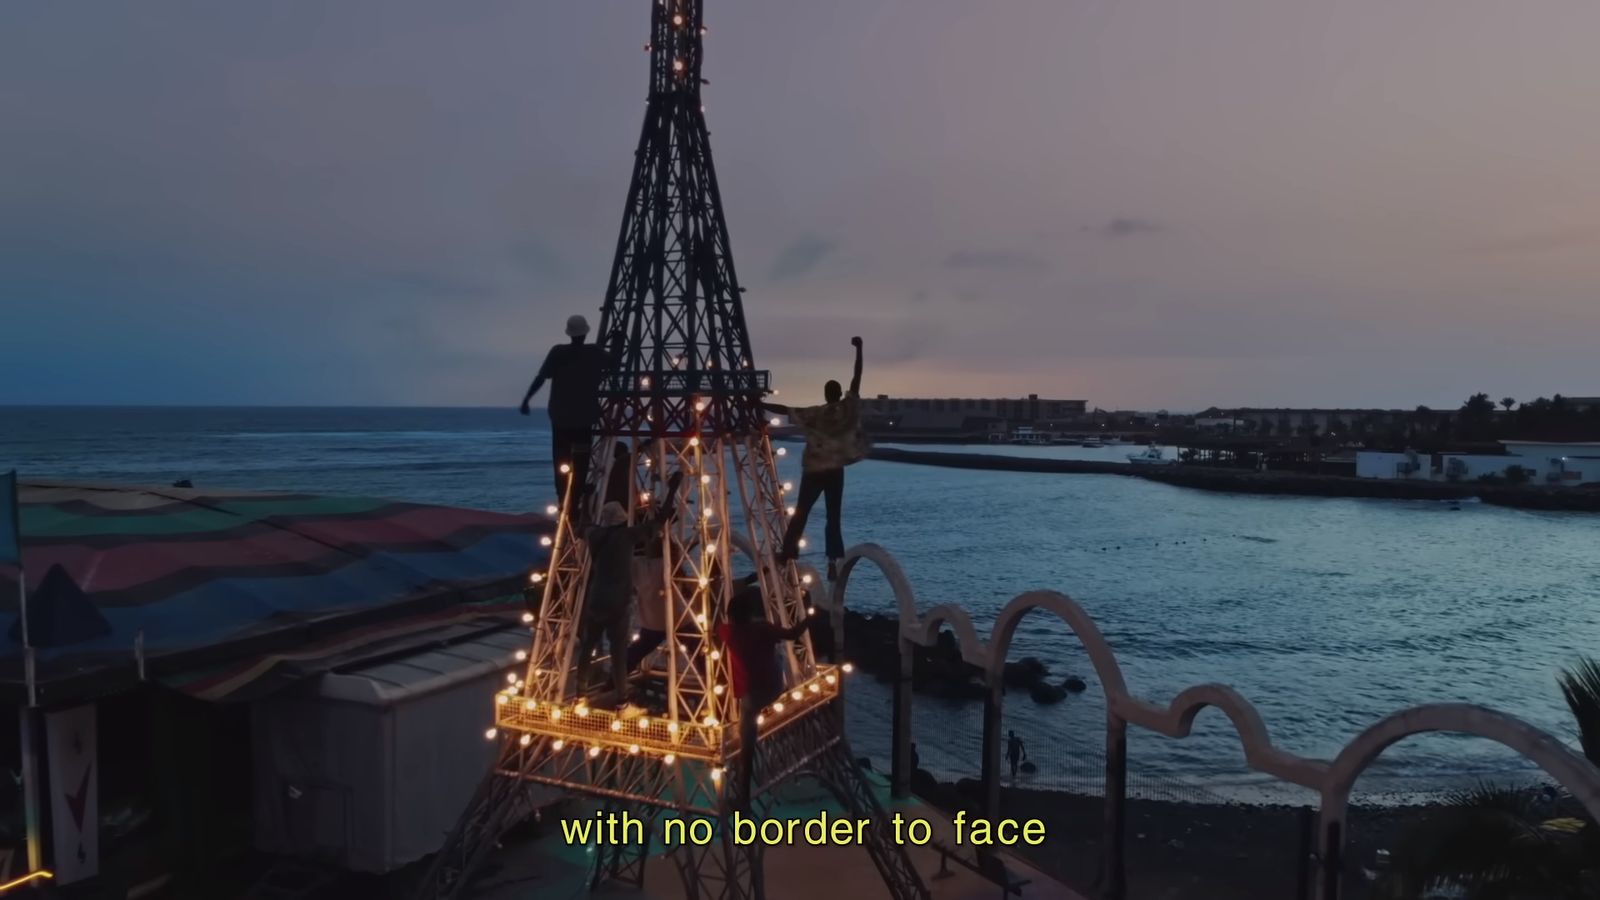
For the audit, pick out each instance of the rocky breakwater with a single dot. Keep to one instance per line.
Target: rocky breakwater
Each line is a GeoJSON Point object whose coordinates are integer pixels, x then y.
{"type": "Point", "coordinates": [871, 642]}
{"type": "Point", "coordinates": [1246, 481]}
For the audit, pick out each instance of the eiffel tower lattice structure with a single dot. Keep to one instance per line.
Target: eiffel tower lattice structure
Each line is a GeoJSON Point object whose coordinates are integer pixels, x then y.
{"type": "Point", "coordinates": [682, 406]}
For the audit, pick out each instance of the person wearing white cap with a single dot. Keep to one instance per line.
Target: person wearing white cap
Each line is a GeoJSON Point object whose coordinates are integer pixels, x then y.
{"type": "Point", "coordinates": [608, 604]}
{"type": "Point", "coordinates": [574, 370]}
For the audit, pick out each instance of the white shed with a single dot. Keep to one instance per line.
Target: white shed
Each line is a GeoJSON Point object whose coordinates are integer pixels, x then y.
{"type": "Point", "coordinates": [369, 767]}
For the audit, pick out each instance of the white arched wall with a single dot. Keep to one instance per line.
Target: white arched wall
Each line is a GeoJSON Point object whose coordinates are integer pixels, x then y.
{"type": "Point", "coordinates": [1332, 780]}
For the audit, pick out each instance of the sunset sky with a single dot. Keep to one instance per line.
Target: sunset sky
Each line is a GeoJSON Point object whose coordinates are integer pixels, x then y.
{"type": "Point", "coordinates": [1145, 203]}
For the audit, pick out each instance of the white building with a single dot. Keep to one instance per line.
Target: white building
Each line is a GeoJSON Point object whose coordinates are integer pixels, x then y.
{"type": "Point", "coordinates": [1541, 462]}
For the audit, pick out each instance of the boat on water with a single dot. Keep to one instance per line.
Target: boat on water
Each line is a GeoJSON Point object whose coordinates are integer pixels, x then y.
{"type": "Point", "coordinates": [1113, 441]}
{"type": "Point", "coordinates": [1093, 442]}
{"type": "Point", "coordinates": [1151, 456]}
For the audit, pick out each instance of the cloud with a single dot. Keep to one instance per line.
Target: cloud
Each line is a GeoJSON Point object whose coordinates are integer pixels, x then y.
{"type": "Point", "coordinates": [993, 259]}
{"type": "Point", "coordinates": [1541, 242]}
{"type": "Point", "coordinates": [801, 257]}
{"type": "Point", "coordinates": [1123, 227]}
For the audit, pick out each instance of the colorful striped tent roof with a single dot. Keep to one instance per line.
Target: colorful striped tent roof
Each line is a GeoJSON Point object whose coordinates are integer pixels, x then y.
{"type": "Point", "coordinates": [213, 579]}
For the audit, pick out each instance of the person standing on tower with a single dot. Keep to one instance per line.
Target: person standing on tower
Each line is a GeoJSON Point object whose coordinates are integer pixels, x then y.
{"type": "Point", "coordinates": [834, 439]}
{"type": "Point", "coordinates": [757, 678]}
{"type": "Point", "coordinates": [574, 370]}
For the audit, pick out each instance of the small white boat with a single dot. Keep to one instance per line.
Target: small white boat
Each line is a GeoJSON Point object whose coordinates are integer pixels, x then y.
{"type": "Point", "coordinates": [1092, 443]}
{"type": "Point", "coordinates": [1152, 456]}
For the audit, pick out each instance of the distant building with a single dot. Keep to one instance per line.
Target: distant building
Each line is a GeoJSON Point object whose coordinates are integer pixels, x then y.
{"type": "Point", "coordinates": [965, 415]}
{"type": "Point", "coordinates": [1287, 421]}
{"type": "Point", "coordinates": [1540, 462]}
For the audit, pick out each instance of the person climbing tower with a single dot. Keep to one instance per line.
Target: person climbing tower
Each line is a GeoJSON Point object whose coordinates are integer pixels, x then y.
{"type": "Point", "coordinates": [607, 608]}
{"type": "Point", "coordinates": [752, 644]}
{"type": "Point", "coordinates": [834, 439]}
{"type": "Point", "coordinates": [575, 371]}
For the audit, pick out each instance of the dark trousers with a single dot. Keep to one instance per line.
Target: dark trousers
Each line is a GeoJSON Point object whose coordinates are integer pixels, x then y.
{"type": "Point", "coordinates": [570, 446]}
{"type": "Point", "coordinates": [812, 486]}
{"type": "Point", "coordinates": [615, 633]}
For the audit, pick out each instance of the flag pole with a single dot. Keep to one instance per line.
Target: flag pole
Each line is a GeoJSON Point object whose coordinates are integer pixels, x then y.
{"type": "Point", "coordinates": [28, 712]}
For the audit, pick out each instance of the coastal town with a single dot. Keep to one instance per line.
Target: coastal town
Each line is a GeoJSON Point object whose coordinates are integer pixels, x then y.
{"type": "Point", "coordinates": [1544, 443]}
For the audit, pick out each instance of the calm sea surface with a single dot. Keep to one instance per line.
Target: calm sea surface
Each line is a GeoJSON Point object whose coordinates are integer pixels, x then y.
{"type": "Point", "coordinates": [1326, 613]}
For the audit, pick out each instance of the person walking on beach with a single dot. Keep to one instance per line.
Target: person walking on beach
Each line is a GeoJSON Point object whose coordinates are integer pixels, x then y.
{"type": "Point", "coordinates": [752, 644]}
{"type": "Point", "coordinates": [1015, 753]}
{"type": "Point", "coordinates": [833, 440]}
{"type": "Point", "coordinates": [606, 608]}
{"type": "Point", "coordinates": [574, 370]}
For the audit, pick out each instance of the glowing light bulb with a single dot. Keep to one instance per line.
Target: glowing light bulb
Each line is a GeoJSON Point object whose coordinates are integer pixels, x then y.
{"type": "Point", "coordinates": [530, 706]}
{"type": "Point", "coordinates": [788, 486]}
{"type": "Point", "coordinates": [830, 679]}
{"type": "Point", "coordinates": [711, 721]}
{"type": "Point", "coordinates": [644, 497]}
{"type": "Point", "coordinates": [706, 513]}
{"type": "Point", "coordinates": [790, 510]}
{"type": "Point", "coordinates": [777, 707]}
{"type": "Point", "coordinates": [559, 743]}
{"type": "Point", "coordinates": [775, 422]}
{"type": "Point", "coordinates": [796, 696]}
{"type": "Point", "coordinates": [848, 668]}
{"type": "Point", "coordinates": [718, 690]}
{"type": "Point", "coordinates": [761, 719]}
{"type": "Point", "coordinates": [672, 727]}
{"type": "Point", "coordinates": [552, 509]}
{"type": "Point", "coordinates": [677, 20]}
{"type": "Point", "coordinates": [716, 655]}
{"type": "Point", "coordinates": [555, 715]}
{"type": "Point", "coordinates": [594, 751]}
{"type": "Point", "coordinates": [716, 774]}
{"type": "Point", "coordinates": [811, 610]}
{"type": "Point", "coordinates": [582, 711]}
{"type": "Point", "coordinates": [522, 655]}
{"type": "Point", "coordinates": [634, 749]}
{"type": "Point", "coordinates": [511, 678]}
{"type": "Point", "coordinates": [489, 735]}
{"type": "Point", "coordinates": [501, 699]}
{"type": "Point", "coordinates": [527, 618]}
{"type": "Point", "coordinates": [670, 758]}
{"type": "Point", "coordinates": [635, 638]}
{"type": "Point", "coordinates": [616, 725]}
{"type": "Point", "coordinates": [694, 442]}
{"type": "Point", "coordinates": [802, 543]}
{"type": "Point", "coordinates": [816, 688]}
{"type": "Point", "coordinates": [677, 65]}
{"type": "Point", "coordinates": [783, 451]}
{"type": "Point", "coordinates": [545, 541]}
{"type": "Point", "coordinates": [700, 618]}
{"type": "Point", "coordinates": [704, 582]}
{"type": "Point", "coordinates": [565, 469]}
{"type": "Point", "coordinates": [711, 547]}
{"type": "Point", "coordinates": [705, 479]}
{"type": "Point", "coordinates": [805, 579]}
{"type": "Point", "coordinates": [645, 381]}
{"type": "Point", "coordinates": [644, 723]}
{"type": "Point", "coordinates": [525, 740]}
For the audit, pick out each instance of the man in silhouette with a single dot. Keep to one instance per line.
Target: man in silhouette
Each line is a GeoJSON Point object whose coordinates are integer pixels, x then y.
{"type": "Point", "coordinates": [833, 440]}
{"type": "Point", "coordinates": [1015, 753]}
{"type": "Point", "coordinates": [574, 370]}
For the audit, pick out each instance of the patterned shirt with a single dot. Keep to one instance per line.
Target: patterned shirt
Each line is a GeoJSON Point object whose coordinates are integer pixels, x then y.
{"type": "Point", "coordinates": [834, 438]}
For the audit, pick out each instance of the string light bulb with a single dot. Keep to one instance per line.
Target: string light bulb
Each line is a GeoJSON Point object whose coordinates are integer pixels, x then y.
{"type": "Point", "coordinates": [594, 751]}
{"type": "Point", "coordinates": [848, 668]}
{"type": "Point", "coordinates": [536, 577]}
{"type": "Point", "coordinates": [616, 724]}
{"type": "Point", "coordinates": [777, 707]}
{"type": "Point", "coordinates": [530, 706]}
{"type": "Point", "coordinates": [796, 696]}
{"type": "Point", "coordinates": [545, 541]}
{"type": "Point", "coordinates": [783, 451]}
{"type": "Point", "coordinates": [489, 735]}
{"type": "Point", "coordinates": [831, 679]}
{"type": "Point", "coordinates": [634, 749]}
{"type": "Point", "coordinates": [521, 655]}
{"type": "Point", "coordinates": [670, 758]}
{"type": "Point", "coordinates": [791, 510]}
{"type": "Point", "coordinates": [525, 740]}
{"type": "Point", "coordinates": [559, 743]}
{"type": "Point", "coordinates": [711, 721]}
{"type": "Point", "coordinates": [555, 715]}
{"type": "Point", "coordinates": [501, 699]}
{"type": "Point", "coordinates": [644, 723]}
{"type": "Point", "coordinates": [816, 688]}
{"type": "Point", "coordinates": [582, 711]}
{"type": "Point", "coordinates": [552, 509]}
{"type": "Point", "coordinates": [511, 678]}
{"type": "Point", "coordinates": [694, 442]}
{"type": "Point", "coordinates": [527, 618]}
{"type": "Point", "coordinates": [806, 578]}
{"type": "Point", "coordinates": [716, 774]}
{"type": "Point", "coordinates": [565, 469]}
{"type": "Point", "coordinates": [718, 690]}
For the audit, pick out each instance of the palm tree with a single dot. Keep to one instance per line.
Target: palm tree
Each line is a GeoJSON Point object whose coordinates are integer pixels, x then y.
{"type": "Point", "coordinates": [1497, 843]}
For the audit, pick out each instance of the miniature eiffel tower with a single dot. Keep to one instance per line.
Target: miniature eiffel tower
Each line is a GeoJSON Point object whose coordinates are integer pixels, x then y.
{"type": "Point", "coordinates": [684, 400]}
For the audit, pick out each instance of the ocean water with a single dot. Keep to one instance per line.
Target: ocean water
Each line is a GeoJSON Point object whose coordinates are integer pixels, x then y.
{"type": "Point", "coordinates": [1326, 613]}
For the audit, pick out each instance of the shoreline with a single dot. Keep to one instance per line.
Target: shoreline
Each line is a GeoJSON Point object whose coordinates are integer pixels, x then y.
{"type": "Point", "coordinates": [1179, 850]}
{"type": "Point", "coordinates": [1252, 482]}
